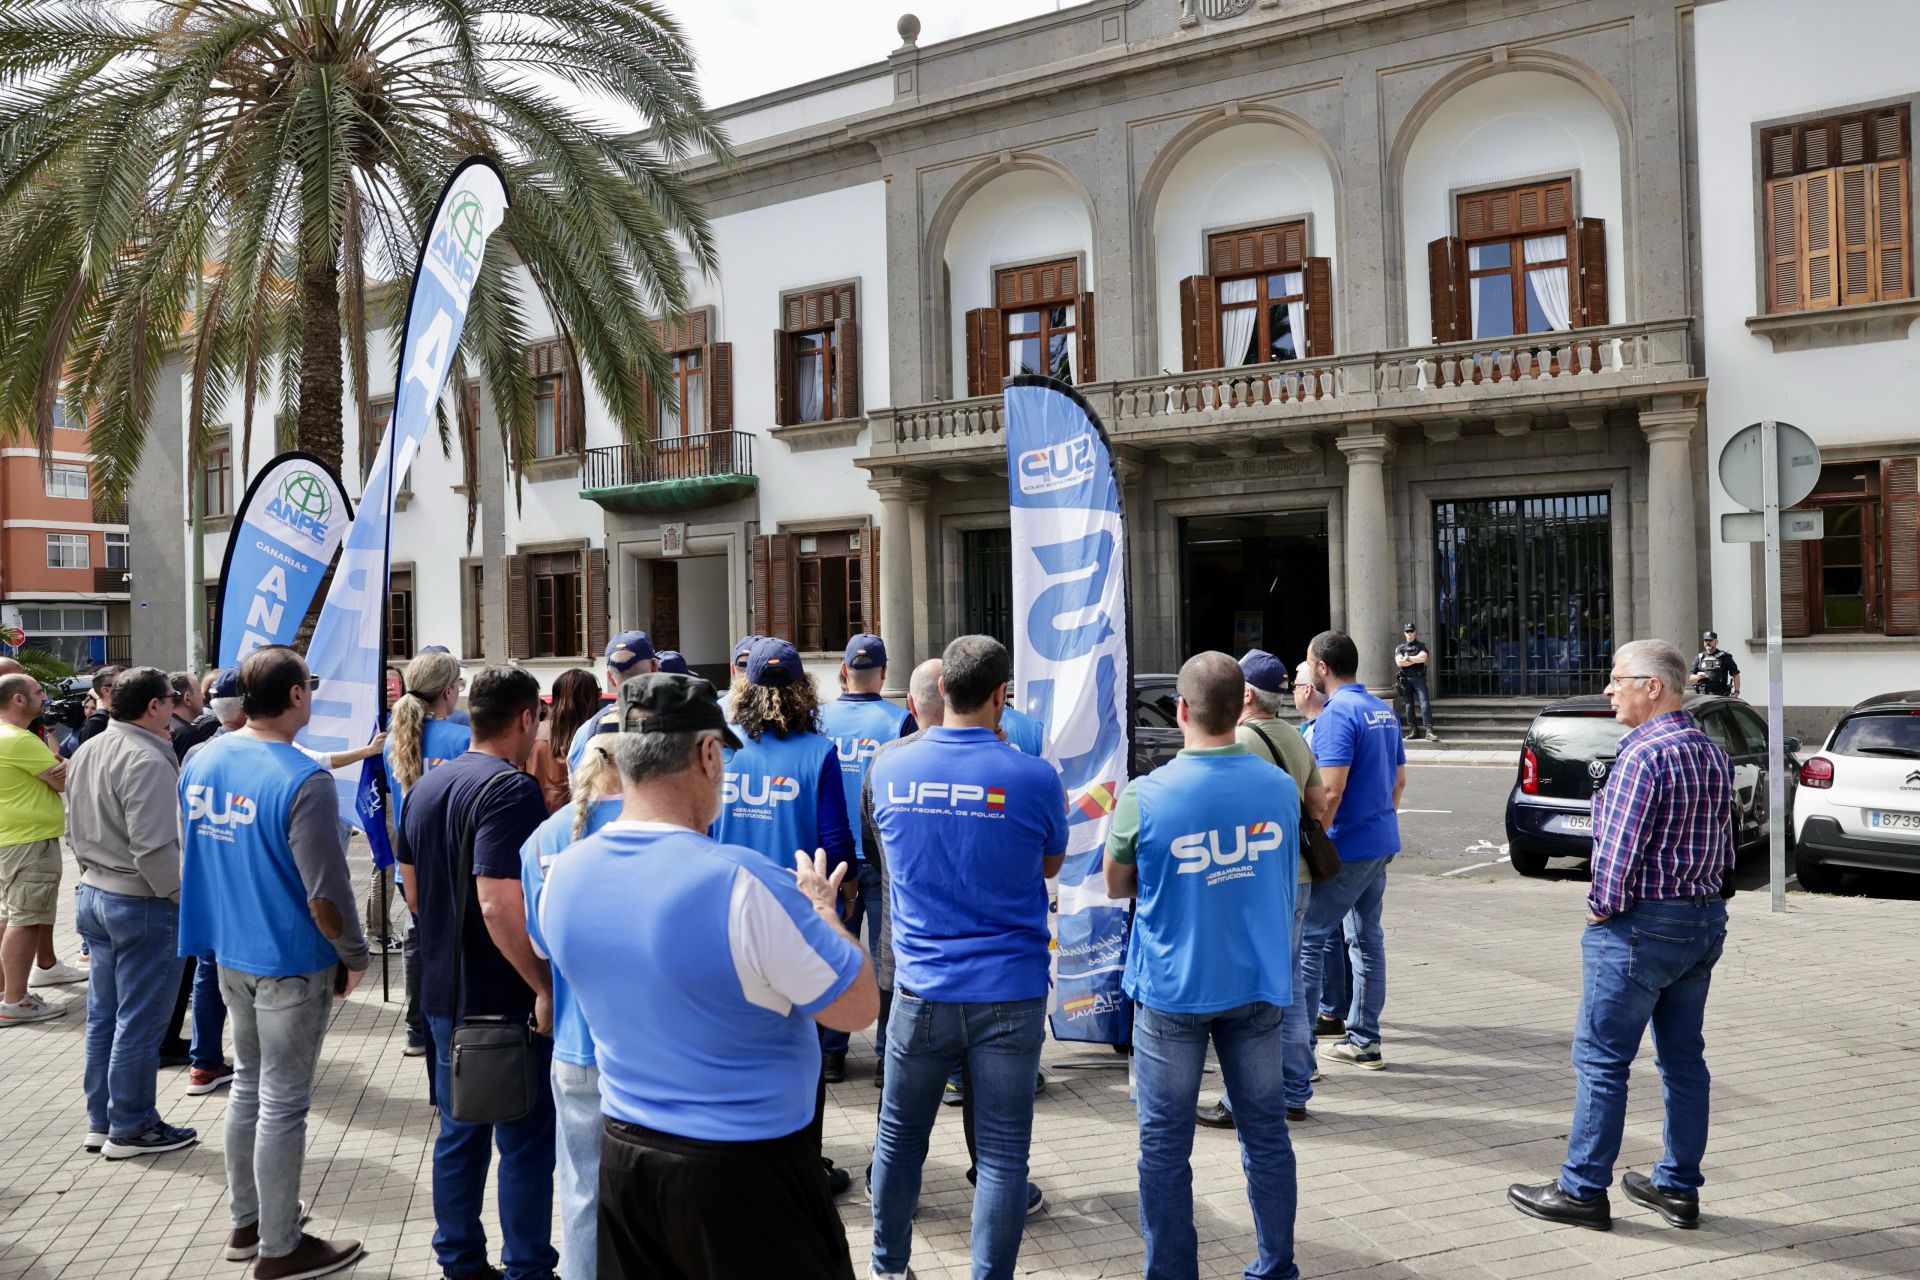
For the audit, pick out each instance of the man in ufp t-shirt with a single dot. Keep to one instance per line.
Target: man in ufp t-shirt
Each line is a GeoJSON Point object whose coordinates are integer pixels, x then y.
{"type": "Point", "coordinates": [1210, 845]}
{"type": "Point", "coordinates": [971, 828]}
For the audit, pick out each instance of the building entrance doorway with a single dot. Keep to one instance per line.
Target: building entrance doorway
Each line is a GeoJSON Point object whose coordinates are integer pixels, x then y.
{"type": "Point", "coordinates": [1523, 595]}
{"type": "Point", "coordinates": [1254, 582]}
{"type": "Point", "coordinates": [683, 606]}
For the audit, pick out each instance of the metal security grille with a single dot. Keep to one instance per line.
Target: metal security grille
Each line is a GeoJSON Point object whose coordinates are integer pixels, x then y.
{"type": "Point", "coordinates": [987, 579]}
{"type": "Point", "coordinates": [1523, 591]}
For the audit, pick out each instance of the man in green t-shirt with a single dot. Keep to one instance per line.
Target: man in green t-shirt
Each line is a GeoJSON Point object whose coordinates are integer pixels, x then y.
{"type": "Point", "coordinates": [1262, 732]}
{"type": "Point", "coordinates": [32, 820]}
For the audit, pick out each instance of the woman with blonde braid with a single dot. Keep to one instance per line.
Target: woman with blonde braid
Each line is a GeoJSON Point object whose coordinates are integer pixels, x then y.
{"type": "Point", "coordinates": [420, 735]}
{"type": "Point", "coordinates": [576, 1078]}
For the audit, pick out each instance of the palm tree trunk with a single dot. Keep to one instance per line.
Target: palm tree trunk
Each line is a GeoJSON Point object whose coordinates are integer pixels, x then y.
{"type": "Point", "coordinates": [321, 383]}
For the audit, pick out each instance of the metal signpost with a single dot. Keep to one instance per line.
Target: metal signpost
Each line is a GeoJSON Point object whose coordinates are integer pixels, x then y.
{"type": "Point", "coordinates": [1766, 467]}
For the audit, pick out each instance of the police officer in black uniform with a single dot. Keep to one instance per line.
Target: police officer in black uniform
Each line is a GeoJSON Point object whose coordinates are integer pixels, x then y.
{"type": "Point", "coordinates": [1714, 670]}
{"type": "Point", "coordinates": [1411, 657]}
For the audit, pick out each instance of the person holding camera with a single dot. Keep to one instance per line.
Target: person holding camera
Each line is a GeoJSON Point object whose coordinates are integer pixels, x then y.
{"type": "Point", "coordinates": [264, 886]}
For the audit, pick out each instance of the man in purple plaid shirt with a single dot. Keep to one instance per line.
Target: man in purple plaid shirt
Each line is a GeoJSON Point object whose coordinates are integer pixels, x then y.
{"type": "Point", "coordinates": [1662, 845]}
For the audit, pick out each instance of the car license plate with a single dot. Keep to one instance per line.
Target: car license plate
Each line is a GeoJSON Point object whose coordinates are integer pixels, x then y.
{"type": "Point", "coordinates": [1580, 822]}
{"type": "Point", "coordinates": [1886, 820]}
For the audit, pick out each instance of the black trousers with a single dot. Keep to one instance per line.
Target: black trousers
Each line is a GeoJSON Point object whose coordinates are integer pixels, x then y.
{"type": "Point", "coordinates": [676, 1208]}
{"type": "Point", "coordinates": [176, 1041]}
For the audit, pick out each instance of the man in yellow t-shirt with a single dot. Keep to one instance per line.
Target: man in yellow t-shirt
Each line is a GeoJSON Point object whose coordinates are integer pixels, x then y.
{"type": "Point", "coordinates": [32, 820]}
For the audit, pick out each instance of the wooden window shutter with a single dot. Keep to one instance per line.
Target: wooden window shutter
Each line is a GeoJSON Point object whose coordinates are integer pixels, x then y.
{"type": "Point", "coordinates": [1447, 289]}
{"type": "Point", "coordinates": [719, 365]}
{"type": "Point", "coordinates": [783, 376]}
{"type": "Point", "coordinates": [1783, 240]}
{"type": "Point", "coordinates": [1796, 617]}
{"type": "Point", "coordinates": [1084, 329]}
{"type": "Point", "coordinates": [1319, 290]}
{"type": "Point", "coordinates": [773, 584]}
{"type": "Point", "coordinates": [1900, 502]}
{"type": "Point", "coordinates": [870, 579]}
{"type": "Point", "coordinates": [846, 367]}
{"type": "Point", "coordinates": [986, 352]}
{"type": "Point", "coordinates": [1199, 324]}
{"type": "Point", "coordinates": [519, 608]}
{"type": "Point", "coordinates": [1590, 265]}
{"type": "Point", "coordinates": [1890, 240]}
{"type": "Point", "coordinates": [594, 604]}
{"type": "Point", "coordinates": [1854, 214]}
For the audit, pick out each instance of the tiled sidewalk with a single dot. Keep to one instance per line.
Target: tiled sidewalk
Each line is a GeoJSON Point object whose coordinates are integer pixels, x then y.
{"type": "Point", "coordinates": [1813, 1037]}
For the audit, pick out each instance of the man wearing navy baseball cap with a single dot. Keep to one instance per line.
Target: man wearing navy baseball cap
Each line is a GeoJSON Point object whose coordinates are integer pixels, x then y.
{"type": "Point", "coordinates": [629, 654]}
{"type": "Point", "coordinates": [860, 722]}
{"type": "Point", "coordinates": [737, 671]}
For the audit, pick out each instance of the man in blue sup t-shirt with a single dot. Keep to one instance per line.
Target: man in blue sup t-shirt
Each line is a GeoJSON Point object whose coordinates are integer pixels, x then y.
{"type": "Point", "coordinates": [860, 722]}
{"type": "Point", "coordinates": [703, 970]}
{"type": "Point", "coordinates": [1210, 845]}
{"type": "Point", "coordinates": [1363, 765]}
{"type": "Point", "coordinates": [972, 829]}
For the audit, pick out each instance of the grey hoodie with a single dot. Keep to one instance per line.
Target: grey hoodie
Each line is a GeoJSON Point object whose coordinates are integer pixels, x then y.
{"type": "Point", "coordinates": [123, 812]}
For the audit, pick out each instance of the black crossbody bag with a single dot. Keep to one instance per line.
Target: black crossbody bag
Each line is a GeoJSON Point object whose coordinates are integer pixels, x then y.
{"type": "Point", "coordinates": [1316, 846]}
{"type": "Point", "coordinates": [493, 1077]}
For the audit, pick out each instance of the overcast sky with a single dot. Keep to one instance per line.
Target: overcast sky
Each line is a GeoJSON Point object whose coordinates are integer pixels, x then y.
{"type": "Point", "coordinates": [749, 47]}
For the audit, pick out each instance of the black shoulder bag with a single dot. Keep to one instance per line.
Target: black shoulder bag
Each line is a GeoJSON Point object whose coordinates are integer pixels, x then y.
{"type": "Point", "coordinates": [1316, 846]}
{"type": "Point", "coordinates": [493, 1078]}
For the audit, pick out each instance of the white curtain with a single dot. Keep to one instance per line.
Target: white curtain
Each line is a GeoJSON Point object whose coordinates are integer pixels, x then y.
{"type": "Point", "coordinates": [1236, 327]}
{"type": "Point", "coordinates": [1290, 283]}
{"type": "Point", "coordinates": [1072, 343]}
{"type": "Point", "coordinates": [806, 374]}
{"type": "Point", "coordinates": [1549, 287]}
{"type": "Point", "coordinates": [1475, 254]}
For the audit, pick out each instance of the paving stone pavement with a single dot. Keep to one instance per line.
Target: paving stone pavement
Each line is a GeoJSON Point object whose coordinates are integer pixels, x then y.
{"type": "Point", "coordinates": [1813, 1035]}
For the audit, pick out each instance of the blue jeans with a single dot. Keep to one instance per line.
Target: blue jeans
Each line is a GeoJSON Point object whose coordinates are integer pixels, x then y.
{"type": "Point", "coordinates": [866, 906]}
{"type": "Point", "coordinates": [1000, 1043]}
{"type": "Point", "coordinates": [1360, 887]}
{"type": "Point", "coordinates": [1336, 976]}
{"type": "Point", "coordinates": [209, 1015]}
{"type": "Point", "coordinates": [576, 1105]}
{"type": "Point", "coordinates": [1652, 963]}
{"type": "Point", "coordinates": [1296, 1021]}
{"type": "Point", "coordinates": [461, 1154]}
{"type": "Point", "coordinates": [131, 986]}
{"type": "Point", "coordinates": [1169, 1052]}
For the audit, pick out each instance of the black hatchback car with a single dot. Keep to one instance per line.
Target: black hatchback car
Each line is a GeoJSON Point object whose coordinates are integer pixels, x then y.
{"type": "Point", "coordinates": [1570, 749]}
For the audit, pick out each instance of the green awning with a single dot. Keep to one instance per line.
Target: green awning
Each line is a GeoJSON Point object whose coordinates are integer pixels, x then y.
{"type": "Point", "coordinates": [663, 496]}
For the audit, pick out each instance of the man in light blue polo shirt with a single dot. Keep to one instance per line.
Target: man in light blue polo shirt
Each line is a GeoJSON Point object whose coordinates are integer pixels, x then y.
{"type": "Point", "coordinates": [703, 970]}
{"type": "Point", "coordinates": [971, 829]}
{"type": "Point", "coordinates": [1210, 845]}
{"type": "Point", "coordinates": [629, 654]}
{"type": "Point", "coordinates": [1363, 765]}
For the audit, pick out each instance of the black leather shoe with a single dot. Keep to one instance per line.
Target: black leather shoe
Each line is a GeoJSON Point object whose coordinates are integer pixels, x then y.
{"type": "Point", "coordinates": [1681, 1211]}
{"type": "Point", "coordinates": [1550, 1203]}
{"type": "Point", "coordinates": [838, 1179]}
{"type": "Point", "coordinates": [880, 1073]}
{"type": "Point", "coordinates": [1328, 1028]}
{"type": "Point", "coordinates": [834, 1067]}
{"type": "Point", "coordinates": [1214, 1116]}
{"type": "Point", "coordinates": [1296, 1114]}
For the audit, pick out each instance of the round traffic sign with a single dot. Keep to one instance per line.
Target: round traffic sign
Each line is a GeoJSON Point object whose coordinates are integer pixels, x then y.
{"type": "Point", "coordinates": [1740, 466]}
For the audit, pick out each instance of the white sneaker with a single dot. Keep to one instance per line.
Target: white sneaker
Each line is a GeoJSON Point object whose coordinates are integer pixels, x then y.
{"type": "Point", "coordinates": [95, 1141]}
{"type": "Point", "coordinates": [30, 1009]}
{"type": "Point", "coordinates": [61, 974]}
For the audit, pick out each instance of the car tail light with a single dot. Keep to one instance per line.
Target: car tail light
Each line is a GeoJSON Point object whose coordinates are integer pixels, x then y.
{"type": "Point", "coordinates": [1529, 773]}
{"type": "Point", "coordinates": [1817, 772]}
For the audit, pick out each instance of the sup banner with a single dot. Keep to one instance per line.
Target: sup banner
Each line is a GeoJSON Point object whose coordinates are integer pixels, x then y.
{"type": "Point", "coordinates": [1070, 660]}
{"type": "Point", "coordinates": [284, 535]}
{"type": "Point", "coordinates": [348, 640]}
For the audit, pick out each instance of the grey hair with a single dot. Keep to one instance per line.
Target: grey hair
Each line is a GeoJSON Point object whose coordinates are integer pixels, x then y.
{"type": "Point", "coordinates": [648, 757]}
{"type": "Point", "coordinates": [228, 710]}
{"type": "Point", "coordinates": [1268, 703]}
{"type": "Point", "coordinates": [1655, 658]}
{"type": "Point", "coordinates": [924, 687]}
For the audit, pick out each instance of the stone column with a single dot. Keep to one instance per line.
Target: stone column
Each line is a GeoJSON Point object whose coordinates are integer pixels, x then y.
{"type": "Point", "coordinates": [1370, 592]}
{"type": "Point", "coordinates": [1673, 572]}
{"type": "Point", "coordinates": [898, 498]}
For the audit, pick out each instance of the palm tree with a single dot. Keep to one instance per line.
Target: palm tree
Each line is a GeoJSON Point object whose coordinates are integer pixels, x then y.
{"type": "Point", "coordinates": [233, 180]}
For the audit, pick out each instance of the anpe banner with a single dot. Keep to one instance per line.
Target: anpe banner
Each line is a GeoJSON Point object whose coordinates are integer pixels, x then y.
{"type": "Point", "coordinates": [1071, 670]}
{"type": "Point", "coordinates": [284, 535]}
{"type": "Point", "coordinates": [347, 642]}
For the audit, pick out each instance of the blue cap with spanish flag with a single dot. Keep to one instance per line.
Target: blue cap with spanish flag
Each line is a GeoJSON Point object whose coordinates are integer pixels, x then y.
{"type": "Point", "coordinates": [773, 662]}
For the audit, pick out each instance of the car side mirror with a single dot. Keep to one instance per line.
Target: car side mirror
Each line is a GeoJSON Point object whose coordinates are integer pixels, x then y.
{"type": "Point", "coordinates": [1791, 746]}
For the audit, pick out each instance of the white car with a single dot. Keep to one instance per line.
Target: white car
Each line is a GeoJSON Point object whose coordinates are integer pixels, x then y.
{"type": "Point", "coordinates": [1859, 802]}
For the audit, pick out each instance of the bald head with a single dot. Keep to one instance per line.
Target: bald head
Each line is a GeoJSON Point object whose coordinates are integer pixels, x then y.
{"type": "Point", "coordinates": [11, 667]}
{"type": "Point", "coordinates": [923, 694]}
